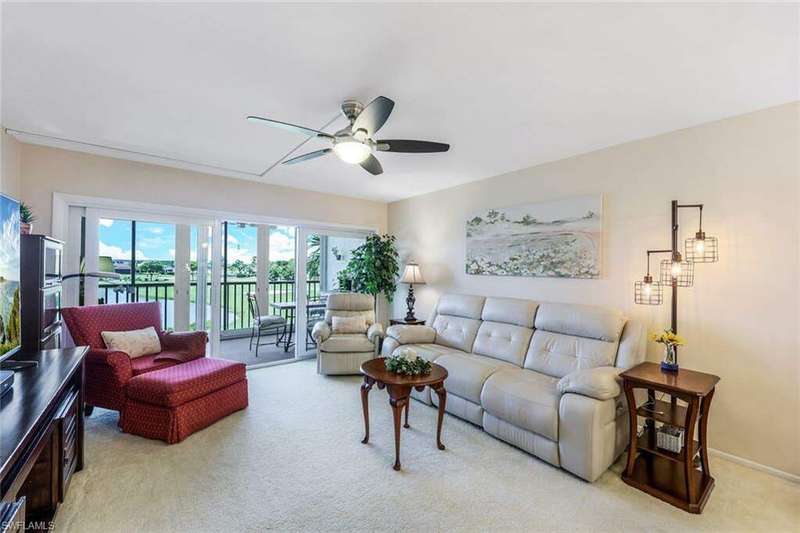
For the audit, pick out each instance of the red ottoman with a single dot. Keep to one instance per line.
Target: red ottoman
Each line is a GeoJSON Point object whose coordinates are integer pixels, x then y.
{"type": "Point", "coordinates": [172, 403]}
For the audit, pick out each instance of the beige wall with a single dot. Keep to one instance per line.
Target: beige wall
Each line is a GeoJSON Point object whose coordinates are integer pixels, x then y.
{"type": "Point", "coordinates": [741, 319]}
{"type": "Point", "coordinates": [10, 183]}
{"type": "Point", "coordinates": [47, 170]}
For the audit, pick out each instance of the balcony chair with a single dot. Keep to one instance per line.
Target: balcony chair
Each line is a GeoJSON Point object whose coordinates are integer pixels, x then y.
{"type": "Point", "coordinates": [343, 353]}
{"type": "Point", "coordinates": [108, 371]}
{"type": "Point", "coordinates": [316, 314]}
{"type": "Point", "coordinates": [265, 325]}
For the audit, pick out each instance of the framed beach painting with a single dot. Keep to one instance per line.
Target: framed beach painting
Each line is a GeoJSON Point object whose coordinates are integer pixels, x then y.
{"type": "Point", "coordinates": [560, 239]}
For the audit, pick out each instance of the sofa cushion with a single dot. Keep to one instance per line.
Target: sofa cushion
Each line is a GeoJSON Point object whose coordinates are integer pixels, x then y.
{"type": "Point", "coordinates": [580, 320]}
{"type": "Point", "coordinates": [347, 342]}
{"type": "Point", "coordinates": [456, 332]}
{"type": "Point", "coordinates": [135, 343]}
{"type": "Point", "coordinates": [182, 383]}
{"type": "Point", "coordinates": [462, 305]}
{"type": "Point", "coordinates": [466, 373]}
{"type": "Point", "coordinates": [430, 352]}
{"type": "Point", "coordinates": [526, 399]}
{"type": "Point", "coordinates": [557, 355]}
{"type": "Point", "coordinates": [503, 341]}
{"type": "Point", "coordinates": [510, 311]}
{"type": "Point", "coordinates": [368, 316]}
{"type": "Point", "coordinates": [348, 324]}
{"type": "Point", "coordinates": [405, 334]}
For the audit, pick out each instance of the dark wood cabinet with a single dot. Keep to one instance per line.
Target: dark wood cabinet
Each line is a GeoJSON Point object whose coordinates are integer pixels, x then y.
{"type": "Point", "coordinates": [40, 288]}
{"type": "Point", "coordinates": [41, 445]}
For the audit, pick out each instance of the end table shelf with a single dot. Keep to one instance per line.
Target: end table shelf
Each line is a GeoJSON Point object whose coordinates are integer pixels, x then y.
{"type": "Point", "coordinates": [665, 412]}
{"type": "Point", "coordinates": [670, 476]}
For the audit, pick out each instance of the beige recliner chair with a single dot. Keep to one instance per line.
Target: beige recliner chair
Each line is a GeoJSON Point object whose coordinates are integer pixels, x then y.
{"type": "Point", "coordinates": [343, 353]}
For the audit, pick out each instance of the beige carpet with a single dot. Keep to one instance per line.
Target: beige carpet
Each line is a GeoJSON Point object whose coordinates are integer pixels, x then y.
{"type": "Point", "coordinates": [293, 461]}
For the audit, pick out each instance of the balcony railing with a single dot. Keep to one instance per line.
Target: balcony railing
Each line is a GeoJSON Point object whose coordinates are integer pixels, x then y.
{"type": "Point", "coordinates": [235, 309]}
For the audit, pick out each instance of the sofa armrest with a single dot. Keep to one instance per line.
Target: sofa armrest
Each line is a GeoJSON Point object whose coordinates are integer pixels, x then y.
{"type": "Point", "coordinates": [375, 332]}
{"type": "Point", "coordinates": [388, 346]}
{"type": "Point", "coordinates": [119, 362]}
{"type": "Point", "coordinates": [320, 332]}
{"type": "Point", "coordinates": [601, 383]}
{"type": "Point", "coordinates": [632, 345]}
{"type": "Point", "coordinates": [189, 343]}
{"type": "Point", "coordinates": [405, 334]}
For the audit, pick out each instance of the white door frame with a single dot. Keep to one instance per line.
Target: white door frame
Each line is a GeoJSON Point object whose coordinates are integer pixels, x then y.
{"type": "Point", "coordinates": [190, 215]}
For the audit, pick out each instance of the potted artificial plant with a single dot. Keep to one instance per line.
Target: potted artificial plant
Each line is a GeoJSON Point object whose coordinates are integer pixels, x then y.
{"type": "Point", "coordinates": [372, 269]}
{"type": "Point", "coordinates": [26, 219]}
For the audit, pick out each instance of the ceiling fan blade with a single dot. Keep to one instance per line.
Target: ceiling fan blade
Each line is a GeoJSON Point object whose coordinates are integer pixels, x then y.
{"type": "Point", "coordinates": [289, 127]}
{"type": "Point", "coordinates": [373, 116]}
{"type": "Point", "coordinates": [411, 147]}
{"type": "Point", "coordinates": [306, 157]}
{"type": "Point", "coordinates": [372, 165]}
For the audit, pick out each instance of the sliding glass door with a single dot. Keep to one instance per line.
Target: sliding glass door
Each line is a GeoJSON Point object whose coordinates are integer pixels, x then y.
{"type": "Point", "coordinates": [210, 274]}
{"type": "Point", "coordinates": [134, 257]}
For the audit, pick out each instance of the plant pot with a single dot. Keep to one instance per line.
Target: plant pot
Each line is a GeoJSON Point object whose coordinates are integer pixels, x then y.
{"type": "Point", "coordinates": [26, 228]}
{"type": "Point", "coordinates": [670, 362]}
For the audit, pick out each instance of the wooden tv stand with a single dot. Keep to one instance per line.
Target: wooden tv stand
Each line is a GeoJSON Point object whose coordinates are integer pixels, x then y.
{"type": "Point", "coordinates": [41, 438]}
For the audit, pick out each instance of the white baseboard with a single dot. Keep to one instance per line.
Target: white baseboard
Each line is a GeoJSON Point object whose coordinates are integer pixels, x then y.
{"type": "Point", "coordinates": [755, 466]}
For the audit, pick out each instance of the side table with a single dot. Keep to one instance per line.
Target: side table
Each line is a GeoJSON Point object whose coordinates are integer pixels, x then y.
{"type": "Point", "coordinates": [403, 322]}
{"type": "Point", "coordinates": [399, 388]}
{"type": "Point", "coordinates": [670, 476]}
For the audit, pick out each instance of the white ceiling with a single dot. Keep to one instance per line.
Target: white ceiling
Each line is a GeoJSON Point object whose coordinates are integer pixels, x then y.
{"type": "Point", "coordinates": [508, 86]}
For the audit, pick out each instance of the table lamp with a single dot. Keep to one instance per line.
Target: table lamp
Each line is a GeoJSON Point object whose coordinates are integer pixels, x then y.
{"type": "Point", "coordinates": [412, 276]}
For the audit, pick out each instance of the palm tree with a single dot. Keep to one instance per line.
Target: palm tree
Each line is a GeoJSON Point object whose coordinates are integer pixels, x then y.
{"type": "Point", "coordinates": [314, 248]}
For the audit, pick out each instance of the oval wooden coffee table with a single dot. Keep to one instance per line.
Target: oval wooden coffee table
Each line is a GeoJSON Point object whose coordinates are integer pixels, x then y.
{"type": "Point", "coordinates": [399, 388]}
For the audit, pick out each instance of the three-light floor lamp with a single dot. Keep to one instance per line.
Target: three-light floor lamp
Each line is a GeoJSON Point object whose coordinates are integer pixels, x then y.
{"type": "Point", "coordinates": [678, 270]}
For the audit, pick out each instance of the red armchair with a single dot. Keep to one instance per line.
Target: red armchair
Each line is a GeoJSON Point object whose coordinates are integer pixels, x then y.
{"type": "Point", "coordinates": [108, 371]}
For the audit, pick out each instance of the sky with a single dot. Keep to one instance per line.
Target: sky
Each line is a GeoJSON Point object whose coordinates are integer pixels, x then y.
{"type": "Point", "coordinates": [156, 241]}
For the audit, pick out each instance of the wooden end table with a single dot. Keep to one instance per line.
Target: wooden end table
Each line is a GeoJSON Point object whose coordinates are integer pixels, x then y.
{"type": "Point", "coordinates": [399, 388]}
{"type": "Point", "coordinates": [669, 476]}
{"type": "Point", "coordinates": [404, 322]}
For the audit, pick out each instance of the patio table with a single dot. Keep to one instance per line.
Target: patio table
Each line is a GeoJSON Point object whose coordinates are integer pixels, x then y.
{"type": "Point", "coordinates": [289, 308]}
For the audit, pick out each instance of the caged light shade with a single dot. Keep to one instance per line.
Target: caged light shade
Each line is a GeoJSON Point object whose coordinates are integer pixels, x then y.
{"type": "Point", "coordinates": [648, 292]}
{"type": "Point", "coordinates": [677, 269]}
{"type": "Point", "coordinates": [702, 248]}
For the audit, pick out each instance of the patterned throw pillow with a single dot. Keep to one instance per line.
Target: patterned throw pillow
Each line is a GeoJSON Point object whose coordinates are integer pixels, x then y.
{"type": "Point", "coordinates": [349, 324]}
{"type": "Point", "coordinates": [135, 343]}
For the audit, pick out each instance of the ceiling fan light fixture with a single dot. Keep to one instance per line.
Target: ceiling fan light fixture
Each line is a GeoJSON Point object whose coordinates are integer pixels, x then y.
{"type": "Point", "coordinates": [351, 151]}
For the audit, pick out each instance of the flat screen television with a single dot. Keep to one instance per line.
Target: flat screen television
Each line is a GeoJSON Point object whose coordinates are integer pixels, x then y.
{"type": "Point", "coordinates": [9, 277]}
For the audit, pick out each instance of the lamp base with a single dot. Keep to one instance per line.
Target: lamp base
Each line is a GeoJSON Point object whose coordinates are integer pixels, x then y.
{"type": "Point", "coordinates": [410, 300]}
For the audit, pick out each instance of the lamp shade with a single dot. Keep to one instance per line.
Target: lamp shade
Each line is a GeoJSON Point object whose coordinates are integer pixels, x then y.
{"type": "Point", "coordinates": [105, 264]}
{"type": "Point", "coordinates": [412, 274]}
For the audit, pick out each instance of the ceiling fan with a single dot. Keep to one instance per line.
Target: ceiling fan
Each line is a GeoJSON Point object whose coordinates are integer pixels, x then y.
{"type": "Point", "coordinates": [355, 144]}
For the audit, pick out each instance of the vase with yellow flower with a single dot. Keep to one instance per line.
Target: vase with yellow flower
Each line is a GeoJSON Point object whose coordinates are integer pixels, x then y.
{"type": "Point", "coordinates": [671, 341]}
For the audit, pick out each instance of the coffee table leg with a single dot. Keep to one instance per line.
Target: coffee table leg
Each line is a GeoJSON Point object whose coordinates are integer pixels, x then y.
{"type": "Point", "coordinates": [398, 399]}
{"type": "Point", "coordinates": [408, 405]}
{"type": "Point", "coordinates": [442, 394]}
{"type": "Point", "coordinates": [365, 388]}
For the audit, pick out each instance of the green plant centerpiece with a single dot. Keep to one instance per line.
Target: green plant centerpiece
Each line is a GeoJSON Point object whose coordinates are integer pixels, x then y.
{"type": "Point", "coordinates": [373, 268]}
{"type": "Point", "coordinates": [406, 361]}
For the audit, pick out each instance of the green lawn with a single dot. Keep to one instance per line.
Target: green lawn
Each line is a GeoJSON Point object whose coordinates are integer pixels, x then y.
{"type": "Point", "coordinates": [238, 312]}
